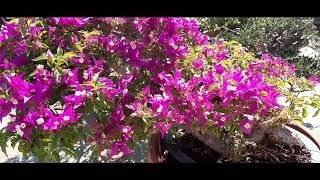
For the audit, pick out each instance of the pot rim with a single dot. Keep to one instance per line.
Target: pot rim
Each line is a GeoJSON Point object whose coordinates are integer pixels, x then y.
{"type": "Point", "coordinates": [307, 132]}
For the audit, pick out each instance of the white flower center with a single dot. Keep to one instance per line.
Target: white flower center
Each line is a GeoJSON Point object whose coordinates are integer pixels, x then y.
{"type": "Point", "coordinates": [223, 119]}
{"type": "Point", "coordinates": [40, 66]}
{"type": "Point", "coordinates": [81, 60]}
{"type": "Point", "coordinates": [22, 125]}
{"type": "Point", "coordinates": [231, 88]}
{"type": "Point", "coordinates": [89, 94]}
{"type": "Point", "coordinates": [193, 103]}
{"type": "Point", "coordinates": [111, 43]}
{"type": "Point", "coordinates": [180, 82]}
{"type": "Point", "coordinates": [70, 74]}
{"type": "Point", "coordinates": [17, 128]}
{"type": "Point", "coordinates": [125, 130]}
{"type": "Point", "coordinates": [160, 109]}
{"type": "Point", "coordinates": [40, 121]}
{"type": "Point", "coordinates": [249, 117]}
{"type": "Point", "coordinates": [66, 118]}
{"type": "Point", "coordinates": [56, 123]}
{"type": "Point", "coordinates": [78, 93]}
{"type": "Point", "coordinates": [85, 75]}
{"type": "Point", "coordinates": [247, 126]}
{"type": "Point", "coordinates": [14, 101]}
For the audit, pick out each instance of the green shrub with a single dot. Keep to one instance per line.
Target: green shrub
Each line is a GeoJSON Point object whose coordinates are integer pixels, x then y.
{"type": "Point", "coordinates": [279, 36]}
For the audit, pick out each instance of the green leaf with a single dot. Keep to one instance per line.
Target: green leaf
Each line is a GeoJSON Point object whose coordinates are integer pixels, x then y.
{"type": "Point", "coordinates": [88, 34]}
{"type": "Point", "coordinates": [70, 150]}
{"type": "Point", "coordinates": [100, 86]}
{"type": "Point", "coordinates": [79, 48]}
{"type": "Point", "coordinates": [59, 52]}
{"type": "Point", "coordinates": [4, 149]}
{"type": "Point", "coordinates": [232, 82]}
{"type": "Point", "coordinates": [3, 143]}
{"type": "Point", "coordinates": [89, 84]}
{"type": "Point", "coordinates": [90, 117]}
{"type": "Point", "coordinates": [45, 46]}
{"type": "Point", "coordinates": [62, 61]}
{"type": "Point", "coordinates": [56, 139]}
{"type": "Point", "coordinates": [14, 141]}
{"type": "Point", "coordinates": [69, 55]}
{"type": "Point", "coordinates": [198, 48]}
{"type": "Point", "coordinates": [298, 119]}
{"type": "Point", "coordinates": [101, 100]}
{"type": "Point", "coordinates": [47, 140]}
{"type": "Point", "coordinates": [57, 75]}
{"type": "Point", "coordinates": [29, 43]}
{"type": "Point", "coordinates": [23, 147]}
{"type": "Point", "coordinates": [263, 93]}
{"type": "Point", "coordinates": [89, 106]}
{"type": "Point", "coordinates": [219, 78]}
{"type": "Point", "coordinates": [131, 144]}
{"type": "Point", "coordinates": [145, 120]}
{"type": "Point", "coordinates": [225, 62]}
{"type": "Point", "coordinates": [316, 113]}
{"type": "Point", "coordinates": [44, 57]}
{"type": "Point", "coordinates": [56, 156]}
{"type": "Point", "coordinates": [40, 153]}
{"type": "Point", "coordinates": [29, 21]}
{"type": "Point", "coordinates": [233, 42]}
{"type": "Point", "coordinates": [304, 113]}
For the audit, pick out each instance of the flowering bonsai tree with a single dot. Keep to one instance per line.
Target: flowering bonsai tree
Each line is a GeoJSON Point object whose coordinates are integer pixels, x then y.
{"type": "Point", "coordinates": [113, 81]}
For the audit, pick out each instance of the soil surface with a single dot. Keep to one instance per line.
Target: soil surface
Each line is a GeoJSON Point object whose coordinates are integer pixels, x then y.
{"type": "Point", "coordinates": [268, 152]}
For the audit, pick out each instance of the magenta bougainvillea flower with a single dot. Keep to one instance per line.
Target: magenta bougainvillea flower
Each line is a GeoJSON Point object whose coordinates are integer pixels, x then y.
{"type": "Point", "coordinates": [197, 64]}
{"type": "Point", "coordinates": [246, 125]}
{"type": "Point", "coordinates": [219, 69]}
{"type": "Point", "coordinates": [163, 128]}
{"type": "Point", "coordinates": [113, 80]}
{"type": "Point", "coordinates": [19, 89]}
{"type": "Point", "coordinates": [5, 108]}
{"type": "Point", "coordinates": [315, 80]}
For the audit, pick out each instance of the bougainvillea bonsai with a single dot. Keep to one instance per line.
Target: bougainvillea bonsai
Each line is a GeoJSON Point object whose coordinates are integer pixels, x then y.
{"type": "Point", "coordinates": [113, 81]}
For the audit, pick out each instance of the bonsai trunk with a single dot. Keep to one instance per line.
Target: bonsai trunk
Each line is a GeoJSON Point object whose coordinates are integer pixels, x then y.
{"type": "Point", "coordinates": [258, 136]}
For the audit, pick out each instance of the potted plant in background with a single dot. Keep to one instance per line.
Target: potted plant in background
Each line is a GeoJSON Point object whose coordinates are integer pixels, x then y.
{"type": "Point", "coordinates": [111, 82]}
